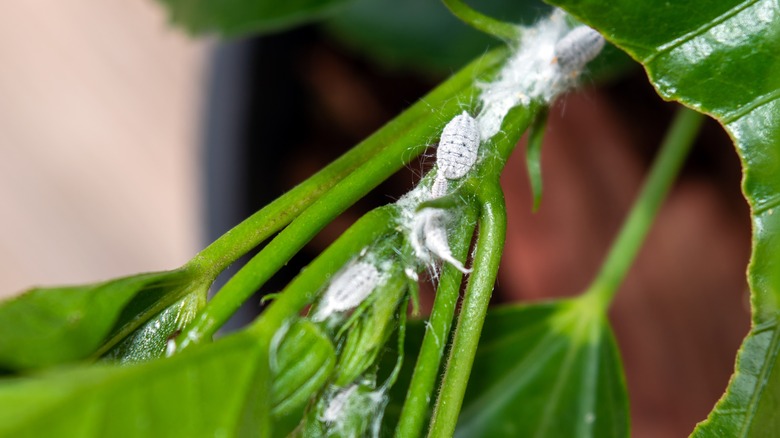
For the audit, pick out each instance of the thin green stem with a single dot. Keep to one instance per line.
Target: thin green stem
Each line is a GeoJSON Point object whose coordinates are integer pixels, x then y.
{"type": "Point", "coordinates": [502, 30]}
{"type": "Point", "coordinates": [265, 264]}
{"type": "Point", "coordinates": [399, 135]}
{"type": "Point", "coordinates": [489, 247]}
{"type": "Point", "coordinates": [403, 144]}
{"type": "Point", "coordinates": [426, 371]}
{"type": "Point", "coordinates": [303, 289]}
{"type": "Point", "coordinates": [490, 243]}
{"type": "Point", "coordinates": [667, 164]}
{"type": "Point", "coordinates": [533, 156]}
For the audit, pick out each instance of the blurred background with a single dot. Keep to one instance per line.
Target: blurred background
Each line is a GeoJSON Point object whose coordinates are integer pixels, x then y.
{"type": "Point", "coordinates": [100, 108]}
{"type": "Point", "coordinates": [127, 146]}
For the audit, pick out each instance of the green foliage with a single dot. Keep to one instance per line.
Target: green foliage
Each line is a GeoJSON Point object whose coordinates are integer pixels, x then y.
{"type": "Point", "coordinates": [239, 17]}
{"type": "Point", "coordinates": [150, 340]}
{"type": "Point", "coordinates": [367, 337]}
{"type": "Point", "coordinates": [533, 157]}
{"type": "Point", "coordinates": [421, 34]}
{"type": "Point", "coordinates": [204, 392]}
{"type": "Point", "coordinates": [543, 370]}
{"type": "Point", "coordinates": [51, 326]}
{"type": "Point", "coordinates": [302, 364]}
{"type": "Point", "coordinates": [546, 370]}
{"type": "Point", "coordinates": [720, 57]}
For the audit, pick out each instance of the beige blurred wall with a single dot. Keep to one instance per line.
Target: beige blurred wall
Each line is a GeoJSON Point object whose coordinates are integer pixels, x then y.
{"type": "Point", "coordinates": [99, 111]}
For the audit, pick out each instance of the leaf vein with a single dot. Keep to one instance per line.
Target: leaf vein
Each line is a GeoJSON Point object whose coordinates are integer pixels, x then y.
{"type": "Point", "coordinates": [743, 110]}
{"type": "Point", "coordinates": [664, 48]}
{"type": "Point", "coordinates": [766, 369]}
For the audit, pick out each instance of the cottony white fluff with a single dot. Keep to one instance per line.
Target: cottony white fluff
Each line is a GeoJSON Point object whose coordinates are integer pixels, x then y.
{"type": "Point", "coordinates": [535, 71]}
{"type": "Point", "coordinates": [350, 401]}
{"type": "Point", "coordinates": [348, 288]}
{"type": "Point", "coordinates": [429, 237]}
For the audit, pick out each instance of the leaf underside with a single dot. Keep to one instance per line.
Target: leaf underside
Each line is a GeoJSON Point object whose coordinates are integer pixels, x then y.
{"type": "Point", "coordinates": [50, 326]}
{"type": "Point", "coordinates": [546, 370]}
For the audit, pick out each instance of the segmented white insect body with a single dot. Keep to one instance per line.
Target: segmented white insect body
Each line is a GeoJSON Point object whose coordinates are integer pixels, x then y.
{"type": "Point", "coordinates": [580, 46]}
{"type": "Point", "coordinates": [439, 187]}
{"type": "Point", "coordinates": [349, 287]}
{"type": "Point", "coordinates": [458, 147]}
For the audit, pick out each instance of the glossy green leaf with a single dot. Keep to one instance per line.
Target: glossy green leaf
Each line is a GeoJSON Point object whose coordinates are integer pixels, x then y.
{"type": "Point", "coordinates": [721, 57]}
{"type": "Point", "coordinates": [49, 326]}
{"type": "Point", "coordinates": [209, 390]}
{"type": "Point", "coordinates": [548, 370]}
{"type": "Point", "coordinates": [238, 17]}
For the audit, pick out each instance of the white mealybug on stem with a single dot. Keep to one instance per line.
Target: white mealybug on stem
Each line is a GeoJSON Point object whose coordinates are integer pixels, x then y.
{"type": "Point", "coordinates": [458, 147]}
{"type": "Point", "coordinates": [580, 46]}
{"type": "Point", "coordinates": [429, 236]}
{"type": "Point", "coordinates": [348, 288]}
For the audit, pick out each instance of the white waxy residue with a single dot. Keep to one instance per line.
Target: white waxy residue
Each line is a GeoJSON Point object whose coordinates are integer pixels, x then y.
{"type": "Point", "coordinates": [348, 288]}
{"type": "Point", "coordinates": [545, 64]}
{"type": "Point", "coordinates": [429, 237]}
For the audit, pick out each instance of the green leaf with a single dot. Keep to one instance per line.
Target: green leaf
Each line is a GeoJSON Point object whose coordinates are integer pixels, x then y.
{"type": "Point", "coordinates": [533, 157]}
{"type": "Point", "coordinates": [209, 390]}
{"type": "Point", "coordinates": [50, 326]}
{"type": "Point", "coordinates": [547, 370]}
{"type": "Point", "coordinates": [238, 17]}
{"type": "Point", "coordinates": [544, 370]}
{"type": "Point", "coordinates": [423, 34]}
{"type": "Point", "coordinates": [721, 57]}
{"type": "Point", "coordinates": [150, 340]}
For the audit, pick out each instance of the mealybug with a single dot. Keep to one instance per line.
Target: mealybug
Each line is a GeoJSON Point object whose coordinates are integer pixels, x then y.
{"type": "Point", "coordinates": [439, 187]}
{"type": "Point", "coordinates": [348, 288]}
{"type": "Point", "coordinates": [580, 46]}
{"type": "Point", "coordinates": [458, 147]}
{"type": "Point", "coordinates": [429, 236]}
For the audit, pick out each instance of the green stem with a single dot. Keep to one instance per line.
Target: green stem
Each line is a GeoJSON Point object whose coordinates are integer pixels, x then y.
{"type": "Point", "coordinates": [261, 225]}
{"type": "Point", "coordinates": [489, 247]}
{"type": "Point", "coordinates": [490, 243]}
{"type": "Point", "coordinates": [533, 156]}
{"type": "Point", "coordinates": [667, 164]}
{"type": "Point", "coordinates": [305, 287]}
{"type": "Point", "coordinates": [502, 30]}
{"type": "Point", "coordinates": [402, 137]}
{"type": "Point", "coordinates": [426, 371]}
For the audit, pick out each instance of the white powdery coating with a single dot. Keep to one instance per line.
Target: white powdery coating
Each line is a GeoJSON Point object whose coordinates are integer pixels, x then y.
{"type": "Point", "coordinates": [351, 401]}
{"type": "Point", "coordinates": [458, 147]}
{"type": "Point", "coordinates": [349, 287]}
{"type": "Point", "coordinates": [429, 236]}
{"type": "Point", "coordinates": [536, 71]}
{"type": "Point", "coordinates": [337, 405]}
